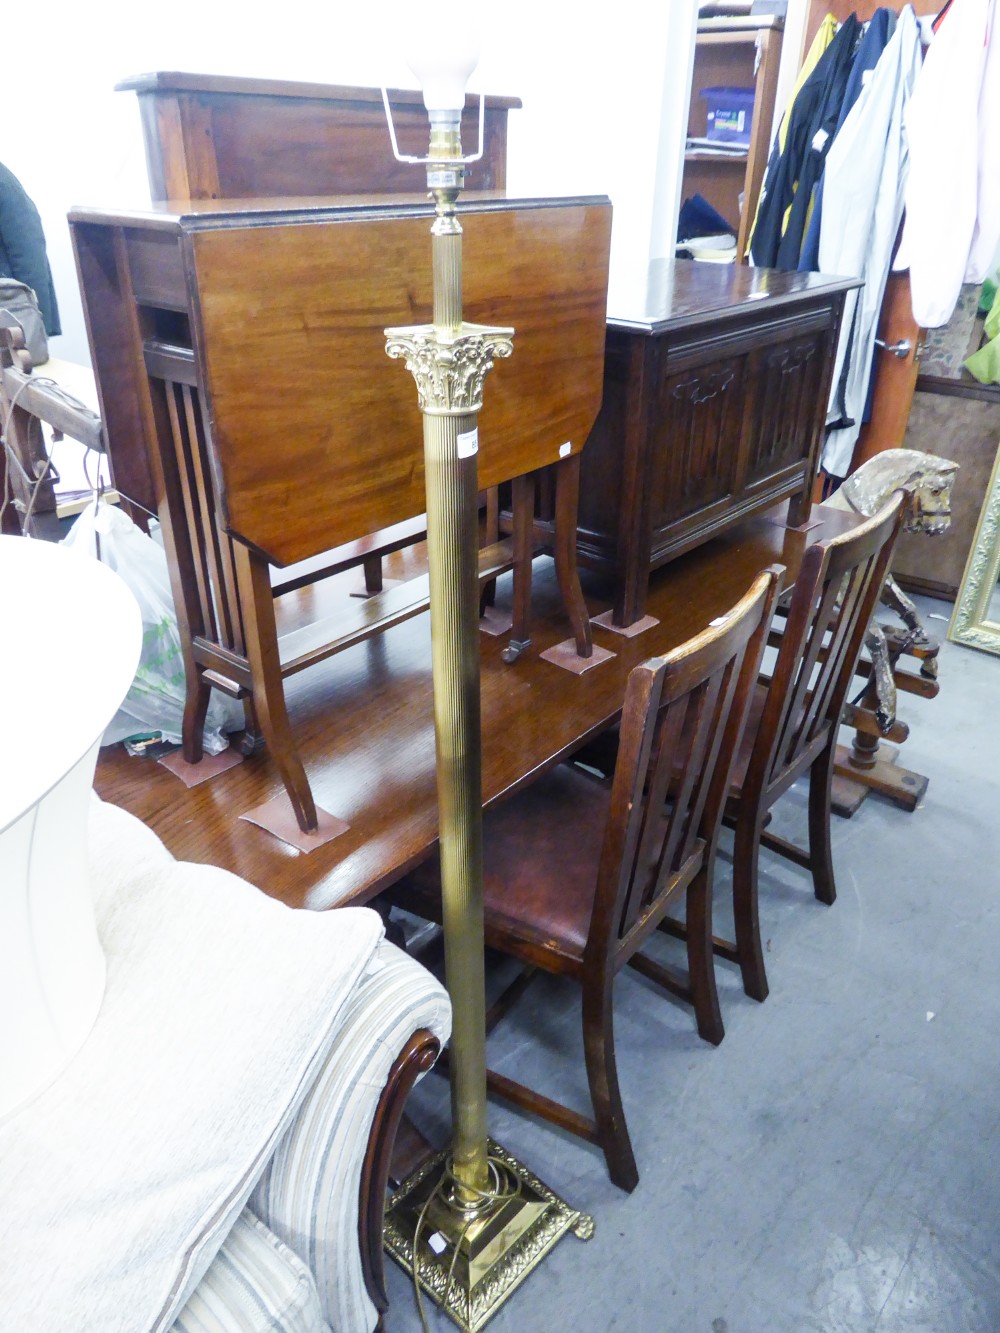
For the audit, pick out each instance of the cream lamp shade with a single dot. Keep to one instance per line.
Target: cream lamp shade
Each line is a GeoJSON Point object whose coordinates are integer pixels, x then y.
{"type": "Point", "coordinates": [71, 633]}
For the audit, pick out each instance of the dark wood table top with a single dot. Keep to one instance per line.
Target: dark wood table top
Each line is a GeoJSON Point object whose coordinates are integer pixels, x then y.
{"type": "Point", "coordinates": [364, 724]}
{"type": "Point", "coordinates": [688, 293]}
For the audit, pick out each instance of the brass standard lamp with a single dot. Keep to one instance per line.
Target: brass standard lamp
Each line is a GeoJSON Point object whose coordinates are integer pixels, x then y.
{"type": "Point", "coordinates": [473, 1222]}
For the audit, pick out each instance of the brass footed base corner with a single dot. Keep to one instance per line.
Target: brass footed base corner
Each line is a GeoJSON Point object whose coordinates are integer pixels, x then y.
{"type": "Point", "coordinates": [470, 1262]}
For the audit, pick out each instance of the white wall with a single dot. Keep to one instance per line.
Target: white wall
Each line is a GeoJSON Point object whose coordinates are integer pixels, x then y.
{"type": "Point", "coordinates": [605, 95]}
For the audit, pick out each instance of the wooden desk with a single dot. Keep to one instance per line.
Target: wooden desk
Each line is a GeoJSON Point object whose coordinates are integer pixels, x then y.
{"type": "Point", "coordinates": [715, 396]}
{"type": "Point", "coordinates": [208, 315]}
{"type": "Point", "coordinates": [371, 755]}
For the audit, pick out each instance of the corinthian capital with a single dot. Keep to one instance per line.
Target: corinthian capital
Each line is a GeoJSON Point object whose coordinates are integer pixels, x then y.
{"type": "Point", "coordinates": [449, 371]}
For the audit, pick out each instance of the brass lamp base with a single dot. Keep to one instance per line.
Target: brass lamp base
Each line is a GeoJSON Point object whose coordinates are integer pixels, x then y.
{"type": "Point", "coordinates": [469, 1260]}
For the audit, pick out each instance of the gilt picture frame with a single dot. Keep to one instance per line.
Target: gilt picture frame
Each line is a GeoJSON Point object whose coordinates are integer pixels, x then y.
{"type": "Point", "coordinates": [975, 622]}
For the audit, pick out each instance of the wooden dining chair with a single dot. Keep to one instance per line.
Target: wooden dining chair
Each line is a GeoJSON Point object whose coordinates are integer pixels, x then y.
{"type": "Point", "coordinates": [795, 716]}
{"type": "Point", "coordinates": [580, 871]}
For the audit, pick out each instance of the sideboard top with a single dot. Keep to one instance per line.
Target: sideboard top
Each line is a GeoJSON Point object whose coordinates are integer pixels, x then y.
{"type": "Point", "coordinates": [684, 292]}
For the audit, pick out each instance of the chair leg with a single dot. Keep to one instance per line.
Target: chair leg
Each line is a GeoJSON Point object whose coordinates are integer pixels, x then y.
{"type": "Point", "coordinates": [602, 1075]}
{"type": "Point", "coordinates": [701, 958]}
{"type": "Point", "coordinates": [820, 850]}
{"type": "Point", "coordinates": [746, 854]}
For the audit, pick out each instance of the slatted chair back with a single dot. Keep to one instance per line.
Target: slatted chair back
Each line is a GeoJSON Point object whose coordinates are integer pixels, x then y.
{"type": "Point", "coordinates": [681, 724]}
{"type": "Point", "coordinates": [834, 599]}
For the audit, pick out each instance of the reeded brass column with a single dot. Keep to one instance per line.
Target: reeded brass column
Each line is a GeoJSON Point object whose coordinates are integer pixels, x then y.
{"type": "Point", "coordinates": [449, 361]}
{"type": "Point", "coordinates": [473, 1222]}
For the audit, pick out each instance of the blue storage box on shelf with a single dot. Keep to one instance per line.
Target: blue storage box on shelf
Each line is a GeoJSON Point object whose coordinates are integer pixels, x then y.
{"type": "Point", "coordinates": [730, 114]}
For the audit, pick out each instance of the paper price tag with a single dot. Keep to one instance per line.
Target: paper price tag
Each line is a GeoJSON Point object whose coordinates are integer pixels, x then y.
{"type": "Point", "coordinates": [565, 449]}
{"type": "Point", "coordinates": [468, 443]}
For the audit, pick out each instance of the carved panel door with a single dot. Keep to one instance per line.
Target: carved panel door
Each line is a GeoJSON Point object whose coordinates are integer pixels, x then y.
{"type": "Point", "coordinates": [787, 382]}
{"type": "Point", "coordinates": [694, 462]}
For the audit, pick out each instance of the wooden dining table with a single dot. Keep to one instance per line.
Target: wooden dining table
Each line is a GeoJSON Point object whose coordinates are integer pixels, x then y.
{"type": "Point", "coordinates": [364, 720]}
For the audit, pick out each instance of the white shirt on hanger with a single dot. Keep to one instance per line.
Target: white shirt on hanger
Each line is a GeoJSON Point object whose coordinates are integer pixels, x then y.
{"type": "Point", "coordinates": [953, 192]}
{"type": "Point", "coordinates": [865, 177]}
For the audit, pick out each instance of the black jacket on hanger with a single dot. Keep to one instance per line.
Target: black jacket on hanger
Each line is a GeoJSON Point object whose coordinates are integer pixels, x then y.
{"type": "Point", "coordinates": [811, 127]}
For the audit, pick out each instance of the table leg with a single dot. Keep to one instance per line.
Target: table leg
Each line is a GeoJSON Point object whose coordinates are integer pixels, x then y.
{"type": "Point", "coordinates": [261, 635]}
{"type": "Point", "coordinates": [567, 507]}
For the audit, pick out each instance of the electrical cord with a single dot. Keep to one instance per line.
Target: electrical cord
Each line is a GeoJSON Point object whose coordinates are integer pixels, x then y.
{"type": "Point", "coordinates": [501, 1193]}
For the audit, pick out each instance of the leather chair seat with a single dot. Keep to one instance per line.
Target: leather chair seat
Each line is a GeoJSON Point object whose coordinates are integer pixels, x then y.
{"type": "Point", "coordinates": [540, 856]}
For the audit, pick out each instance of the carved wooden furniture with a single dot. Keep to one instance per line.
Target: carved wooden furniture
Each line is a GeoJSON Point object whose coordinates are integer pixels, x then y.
{"type": "Point", "coordinates": [712, 410]}
{"type": "Point", "coordinates": [795, 718]}
{"type": "Point", "coordinates": [580, 872]}
{"type": "Point", "coordinates": [714, 405]}
{"type": "Point", "coordinates": [248, 340]}
{"type": "Point", "coordinates": [869, 764]}
{"type": "Point", "coordinates": [532, 718]}
{"type": "Point", "coordinates": [210, 136]}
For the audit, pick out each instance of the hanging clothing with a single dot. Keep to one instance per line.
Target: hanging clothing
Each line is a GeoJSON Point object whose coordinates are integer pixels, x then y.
{"type": "Point", "coordinates": [777, 242]}
{"type": "Point", "coordinates": [825, 34]}
{"type": "Point", "coordinates": [953, 194]}
{"type": "Point", "coordinates": [874, 41]}
{"type": "Point", "coordinates": [866, 174]}
{"type": "Point", "coordinates": [22, 248]}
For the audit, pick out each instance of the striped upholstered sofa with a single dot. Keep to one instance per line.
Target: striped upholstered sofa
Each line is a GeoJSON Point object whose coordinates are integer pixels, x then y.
{"type": "Point", "coordinates": [214, 1159]}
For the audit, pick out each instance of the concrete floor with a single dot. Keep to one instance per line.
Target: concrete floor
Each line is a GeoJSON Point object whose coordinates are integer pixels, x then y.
{"type": "Point", "coordinates": [835, 1164]}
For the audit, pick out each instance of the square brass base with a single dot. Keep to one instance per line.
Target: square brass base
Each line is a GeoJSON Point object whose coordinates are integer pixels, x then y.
{"type": "Point", "coordinates": [496, 1251]}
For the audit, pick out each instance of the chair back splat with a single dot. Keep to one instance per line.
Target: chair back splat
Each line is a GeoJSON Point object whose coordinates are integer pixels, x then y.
{"type": "Point", "coordinates": [798, 718]}
{"type": "Point", "coordinates": [680, 722]}
{"type": "Point", "coordinates": [835, 596]}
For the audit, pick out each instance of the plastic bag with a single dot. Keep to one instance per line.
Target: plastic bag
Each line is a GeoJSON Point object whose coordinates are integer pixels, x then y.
{"type": "Point", "coordinates": [155, 701]}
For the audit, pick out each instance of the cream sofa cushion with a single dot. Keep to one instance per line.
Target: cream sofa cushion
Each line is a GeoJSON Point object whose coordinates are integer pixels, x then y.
{"type": "Point", "coordinates": [121, 1179]}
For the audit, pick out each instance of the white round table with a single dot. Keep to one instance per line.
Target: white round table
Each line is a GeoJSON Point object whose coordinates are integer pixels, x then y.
{"type": "Point", "coordinates": [70, 637]}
